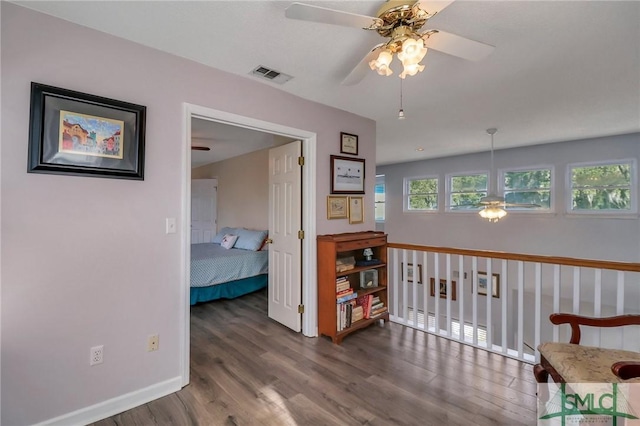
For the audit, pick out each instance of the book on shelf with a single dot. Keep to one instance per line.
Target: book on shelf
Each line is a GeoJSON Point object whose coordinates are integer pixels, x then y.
{"type": "Point", "coordinates": [346, 298]}
{"type": "Point", "coordinates": [378, 312]}
{"type": "Point", "coordinates": [341, 280]}
{"type": "Point", "coordinates": [343, 286]}
{"type": "Point", "coordinates": [344, 292]}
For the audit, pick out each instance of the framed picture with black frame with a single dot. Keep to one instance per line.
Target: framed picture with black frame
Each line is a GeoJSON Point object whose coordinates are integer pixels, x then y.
{"type": "Point", "coordinates": [74, 133]}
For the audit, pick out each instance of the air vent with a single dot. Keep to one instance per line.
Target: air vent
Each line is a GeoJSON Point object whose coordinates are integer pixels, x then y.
{"type": "Point", "coordinates": [271, 75]}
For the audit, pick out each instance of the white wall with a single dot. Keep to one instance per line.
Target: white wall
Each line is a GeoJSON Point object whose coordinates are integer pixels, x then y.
{"type": "Point", "coordinates": [243, 189]}
{"type": "Point", "coordinates": [547, 234]}
{"type": "Point", "coordinates": [85, 261]}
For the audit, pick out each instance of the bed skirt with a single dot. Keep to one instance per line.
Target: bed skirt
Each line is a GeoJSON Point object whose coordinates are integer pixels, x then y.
{"type": "Point", "coordinates": [229, 290]}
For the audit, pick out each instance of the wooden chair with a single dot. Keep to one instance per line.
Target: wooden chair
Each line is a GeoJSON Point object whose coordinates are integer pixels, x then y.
{"type": "Point", "coordinates": [575, 363]}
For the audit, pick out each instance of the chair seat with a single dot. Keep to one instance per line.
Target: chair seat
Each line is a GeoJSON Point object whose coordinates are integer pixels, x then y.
{"type": "Point", "coordinates": [580, 364]}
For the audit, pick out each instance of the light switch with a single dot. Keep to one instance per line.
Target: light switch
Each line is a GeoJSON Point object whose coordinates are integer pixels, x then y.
{"type": "Point", "coordinates": [171, 225]}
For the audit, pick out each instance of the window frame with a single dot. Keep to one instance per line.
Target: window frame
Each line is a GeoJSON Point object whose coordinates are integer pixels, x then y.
{"type": "Point", "coordinates": [633, 190]}
{"type": "Point", "coordinates": [405, 194]}
{"type": "Point", "coordinates": [552, 188]}
{"type": "Point", "coordinates": [380, 180]}
{"type": "Point", "coordinates": [448, 191]}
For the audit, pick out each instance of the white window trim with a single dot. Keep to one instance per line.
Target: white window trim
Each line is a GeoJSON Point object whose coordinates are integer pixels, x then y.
{"type": "Point", "coordinates": [405, 194]}
{"type": "Point", "coordinates": [380, 180]}
{"type": "Point", "coordinates": [447, 193]}
{"type": "Point", "coordinates": [630, 214]}
{"type": "Point", "coordinates": [552, 188]}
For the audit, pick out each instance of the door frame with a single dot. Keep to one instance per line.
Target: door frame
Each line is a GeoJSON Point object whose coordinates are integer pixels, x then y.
{"type": "Point", "coordinates": [309, 262]}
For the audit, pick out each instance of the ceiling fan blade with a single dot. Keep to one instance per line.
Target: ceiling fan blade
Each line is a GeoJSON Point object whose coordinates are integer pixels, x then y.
{"type": "Point", "coordinates": [200, 148]}
{"type": "Point", "coordinates": [362, 69]}
{"type": "Point", "coordinates": [433, 6]}
{"type": "Point", "coordinates": [307, 12]}
{"type": "Point", "coordinates": [455, 45]}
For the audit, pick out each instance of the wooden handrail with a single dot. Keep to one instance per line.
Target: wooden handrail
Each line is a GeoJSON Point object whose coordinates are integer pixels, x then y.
{"type": "Point", "coordinates": [567, 261]}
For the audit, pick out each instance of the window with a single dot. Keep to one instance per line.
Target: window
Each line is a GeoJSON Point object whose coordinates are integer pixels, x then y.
{"type": "Point", "coordinates": [379, 201]}
{"type": "Point", "coordinates": [602, 187]}
{"type": "Point", "coordinates": [466, 190]}
{"type": "Point", "coordinates": [528, 186]}
{"type": "Point", "coordinates": [421, 194]}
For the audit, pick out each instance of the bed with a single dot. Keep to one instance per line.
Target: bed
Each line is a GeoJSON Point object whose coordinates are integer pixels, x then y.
{"type": "Point", "coordinates": [218, 272]}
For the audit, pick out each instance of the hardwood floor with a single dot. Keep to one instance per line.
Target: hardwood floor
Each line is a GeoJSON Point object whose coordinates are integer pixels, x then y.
{"type": "Point", "coordinates": [249, 370]}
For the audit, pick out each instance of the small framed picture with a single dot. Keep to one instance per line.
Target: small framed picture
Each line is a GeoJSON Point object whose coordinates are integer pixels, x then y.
{"type": "Point", "coordinates": [348, 143]}
{"type": "Point", "coordinates": [369, 278]}
{"type": "Point", "coordinates": [347, 175]}
{"type": "Point", "coordinates": [442, 288]}
{"type": "Point", "coordinates": [337, 207]}
{"type": "Point", "coordinates": [356, 212]}
{"type": "Point", "coordinates": [410, 273]}
{"type": "Point", "coordinates": [482, 284]}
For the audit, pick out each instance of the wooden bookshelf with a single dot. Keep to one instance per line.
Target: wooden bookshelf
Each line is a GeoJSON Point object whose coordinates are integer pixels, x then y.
{"type": "Point", "coordinates": [341, 246]}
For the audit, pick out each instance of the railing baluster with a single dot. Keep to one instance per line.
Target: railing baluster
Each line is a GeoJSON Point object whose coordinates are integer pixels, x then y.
{"type": "Point", "coordinates": [620, 303]}
{"type": "Point", "coordinates": [436, 292]}
{"type": "Point", "coordinates": [414, 286]}
{"type": "Point", "coordinates": [461, 296]}
{"type": "Point", "coordinates": [520, 308]}
{"type": "Point", "coordinates": [474, 300]}
{"type": "Point", "coordinates": [556, 299]}
{"type": "Point", "coordinates": [395, 287]}
{"type": "Point", "coordinates": [576, 290]}
{"type": "Point", "coordinates": [537, 308]}
{"type": "Point", "coordinates": [597, 301]}
{"type": "Point", "coordinates": [405, 284]}
{"type": "Point", "coordinates": [504, 289]}
{"type": "Point", "coordinates": [449, 293]}
{"type": "Point", "coordinates": [489, 303]}
{"type": "Point", "coordinates": [425, 292]}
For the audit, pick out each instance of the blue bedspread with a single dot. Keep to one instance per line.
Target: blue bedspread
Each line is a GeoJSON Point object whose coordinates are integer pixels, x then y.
{"type": "Point", "coordinates": [212, 264]}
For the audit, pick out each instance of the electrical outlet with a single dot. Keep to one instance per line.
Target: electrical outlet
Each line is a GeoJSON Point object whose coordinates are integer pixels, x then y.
{"type": "Point", "coordinates": [153, 343]}
{"type": "Point", "coordinates": [96, 355]}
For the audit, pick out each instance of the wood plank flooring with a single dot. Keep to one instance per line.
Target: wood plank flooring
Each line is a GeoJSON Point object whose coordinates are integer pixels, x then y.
{"type": "Point", "coordinates": [249, 370]}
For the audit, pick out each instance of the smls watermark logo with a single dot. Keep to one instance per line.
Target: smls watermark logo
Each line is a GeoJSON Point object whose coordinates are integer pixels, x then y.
{"type": "Point", "coordinates": [612, 404]}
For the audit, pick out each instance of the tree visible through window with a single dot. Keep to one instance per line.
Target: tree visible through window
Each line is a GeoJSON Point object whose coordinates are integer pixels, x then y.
{"type": "Point", "coordinates": [465, 191]}
{"type": "Point", "coordinates": [421, 194]}
{"type": "Point", "coordinates": [601, 187]}
{"type": "Point", "coordinates": [532, 186]}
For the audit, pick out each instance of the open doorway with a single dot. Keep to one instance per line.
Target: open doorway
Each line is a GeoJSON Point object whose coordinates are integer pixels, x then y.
{"type": "Point", "coordinates": [307, 213]}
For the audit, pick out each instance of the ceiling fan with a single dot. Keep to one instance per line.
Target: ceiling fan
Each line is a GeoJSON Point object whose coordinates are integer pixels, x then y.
{"type": "Point", "coordinates": [399, 21]}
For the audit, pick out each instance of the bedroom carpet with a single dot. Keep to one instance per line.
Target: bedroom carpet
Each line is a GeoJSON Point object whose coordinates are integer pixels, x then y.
{"type": "Point", "coordinates": [249, 370]}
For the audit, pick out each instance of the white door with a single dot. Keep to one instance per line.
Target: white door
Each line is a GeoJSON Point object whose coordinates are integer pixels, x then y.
{"type": "Point", "coordinates": [285, 220]}
{"type": "Point", "coordinates": [203, 210]}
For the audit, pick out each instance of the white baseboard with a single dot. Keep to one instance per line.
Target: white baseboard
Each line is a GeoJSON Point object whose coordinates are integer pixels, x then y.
{"type": "Point", "coordinates": [116, 405]}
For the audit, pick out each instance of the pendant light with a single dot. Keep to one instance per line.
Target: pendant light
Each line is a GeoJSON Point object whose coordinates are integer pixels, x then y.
{"type": "Point", "coordinates": [493, 209]}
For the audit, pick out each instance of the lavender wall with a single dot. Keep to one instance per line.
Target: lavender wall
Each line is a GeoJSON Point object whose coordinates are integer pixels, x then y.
{"type": "Point", "coordinates": [85, 261]}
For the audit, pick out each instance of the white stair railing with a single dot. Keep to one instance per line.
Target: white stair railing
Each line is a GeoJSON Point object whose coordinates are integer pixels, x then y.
{"type": "Point", "coordinates": [501, 302]}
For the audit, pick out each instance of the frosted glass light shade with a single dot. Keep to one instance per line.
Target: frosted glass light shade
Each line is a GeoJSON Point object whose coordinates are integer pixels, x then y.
{"type": "Point", "coordinates": [492, 213]}
{"type": "Point", "coordinates": [381, 64]}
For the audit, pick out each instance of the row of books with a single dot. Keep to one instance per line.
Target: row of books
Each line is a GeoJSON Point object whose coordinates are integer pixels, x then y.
{"type": "Point", "coordinates": [348, 313]}
{"type": "Point", "coordinates": [371, 305]}
{"type": "Point", "coordinates": [353, 308]}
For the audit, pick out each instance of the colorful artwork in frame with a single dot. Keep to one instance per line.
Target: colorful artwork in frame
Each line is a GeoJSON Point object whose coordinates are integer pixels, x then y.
{"type": "Point", "coordinates": [80, 134]}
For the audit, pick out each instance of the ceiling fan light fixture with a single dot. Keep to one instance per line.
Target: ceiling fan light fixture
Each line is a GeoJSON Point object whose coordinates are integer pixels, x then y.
{"type": "Point", "coordinates": [381, 64]}
{"type": "Point", "coordinates": [411, 70]}
{"type": "Point", "coordinates": [412, 52]}
{"type": "Point", "coordinates": [492, 213]}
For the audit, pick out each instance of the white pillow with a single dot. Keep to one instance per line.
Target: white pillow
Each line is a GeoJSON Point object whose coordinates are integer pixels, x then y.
{"type": "Point", "coordinates": [228, 241]}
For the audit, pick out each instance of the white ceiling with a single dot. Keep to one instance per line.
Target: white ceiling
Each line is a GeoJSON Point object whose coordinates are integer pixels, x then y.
{"type": "Point", "coordinates": [226, 141]}
{"type": "Point", "coordinates": [559, 71]}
